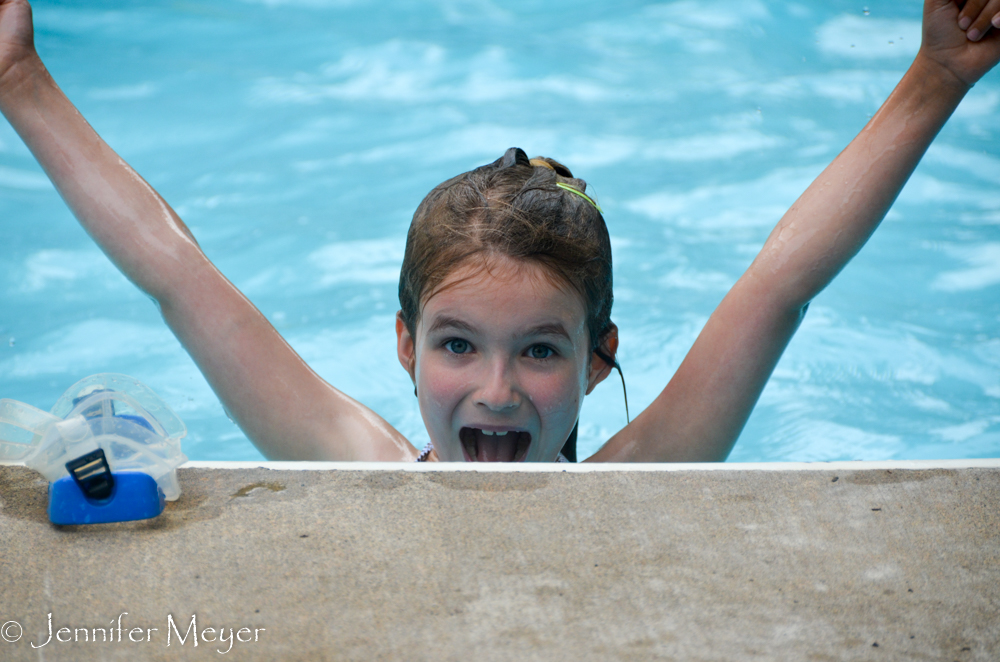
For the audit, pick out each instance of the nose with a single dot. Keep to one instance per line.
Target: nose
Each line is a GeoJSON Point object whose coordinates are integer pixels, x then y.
{"type": "Point", "coordinates": [499, 391]}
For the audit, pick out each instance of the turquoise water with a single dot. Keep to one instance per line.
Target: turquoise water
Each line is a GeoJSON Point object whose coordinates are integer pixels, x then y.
{"type": "Point", "coordinates": [297, 137]}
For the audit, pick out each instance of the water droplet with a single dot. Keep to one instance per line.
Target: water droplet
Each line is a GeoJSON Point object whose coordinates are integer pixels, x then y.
{"type": "Point", "coordinates": [865, 11]}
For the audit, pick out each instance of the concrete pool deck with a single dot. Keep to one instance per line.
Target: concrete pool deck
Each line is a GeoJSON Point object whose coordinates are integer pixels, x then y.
{"type": "Point", "coordinates": [835, 561]}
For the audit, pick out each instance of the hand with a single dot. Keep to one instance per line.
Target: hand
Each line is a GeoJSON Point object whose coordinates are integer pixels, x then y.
{"type": "Point", "coordinates": [16, 34]}
{"type": "Point", "coordinates": [967, 53]}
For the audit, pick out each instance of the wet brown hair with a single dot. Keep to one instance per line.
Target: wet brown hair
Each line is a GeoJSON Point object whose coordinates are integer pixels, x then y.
{"type": "Point", "coordinates": [513, 207]}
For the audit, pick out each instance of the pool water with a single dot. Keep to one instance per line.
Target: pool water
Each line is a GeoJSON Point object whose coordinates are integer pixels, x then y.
{"type": "Point", "coordinates": [297, 137]}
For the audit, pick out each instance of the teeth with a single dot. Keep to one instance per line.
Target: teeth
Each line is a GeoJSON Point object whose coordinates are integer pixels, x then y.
{"type": "Point", "coordinates": [512, 448]}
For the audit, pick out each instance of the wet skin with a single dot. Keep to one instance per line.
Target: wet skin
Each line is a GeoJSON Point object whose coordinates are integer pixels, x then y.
{"type": "Point", "coordinates": [496, 350]}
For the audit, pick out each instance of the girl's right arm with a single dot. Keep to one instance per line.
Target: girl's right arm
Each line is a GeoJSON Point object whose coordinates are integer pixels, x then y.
{"type": "Point", "coordinates": [284, 407]}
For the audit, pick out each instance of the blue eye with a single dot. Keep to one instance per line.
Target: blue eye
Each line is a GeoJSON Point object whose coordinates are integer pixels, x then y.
{"type": "Point", "coordinates": [457, 346]}
{"type": "Point", "coordinates": [540, 352]}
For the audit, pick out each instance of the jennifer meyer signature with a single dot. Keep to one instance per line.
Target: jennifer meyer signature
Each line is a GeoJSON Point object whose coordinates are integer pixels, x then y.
{"type": "Point", "coordinates": [122, 632]}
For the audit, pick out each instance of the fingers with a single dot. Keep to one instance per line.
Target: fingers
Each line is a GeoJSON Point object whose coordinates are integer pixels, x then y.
{"type": "Point", "coordinates": [978, 16]}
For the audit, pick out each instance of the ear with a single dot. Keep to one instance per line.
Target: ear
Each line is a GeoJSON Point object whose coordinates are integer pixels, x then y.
{"type": "Point", "coordinates": [405, 348]}
{"type": "Point", "coordinates": [599, 370]}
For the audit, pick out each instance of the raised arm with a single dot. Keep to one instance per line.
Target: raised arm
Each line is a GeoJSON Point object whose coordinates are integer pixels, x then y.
{"type": "Point", "coordinates": [287, 410]}
{"type": "Point", "coordinates": [701, 412]}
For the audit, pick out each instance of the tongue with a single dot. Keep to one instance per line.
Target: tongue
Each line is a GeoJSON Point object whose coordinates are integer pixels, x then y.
{"type": "Point", "coordinates": [496, 448]}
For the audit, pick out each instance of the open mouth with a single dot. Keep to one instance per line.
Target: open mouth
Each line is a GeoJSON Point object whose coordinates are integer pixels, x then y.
{"type": "Point", "coordinates": [494, 446]}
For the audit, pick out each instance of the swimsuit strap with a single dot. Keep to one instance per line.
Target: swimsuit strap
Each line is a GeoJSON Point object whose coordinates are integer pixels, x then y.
{"type": "Point", "coordinates": [424, 454]}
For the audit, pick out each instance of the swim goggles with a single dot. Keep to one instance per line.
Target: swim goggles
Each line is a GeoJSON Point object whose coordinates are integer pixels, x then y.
{"type": "Point", "coordinates": [110, 449]}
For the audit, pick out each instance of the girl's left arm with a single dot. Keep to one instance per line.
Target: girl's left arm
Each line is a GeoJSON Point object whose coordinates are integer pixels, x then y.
{"type": "Point", "coordinates": [701, 412]}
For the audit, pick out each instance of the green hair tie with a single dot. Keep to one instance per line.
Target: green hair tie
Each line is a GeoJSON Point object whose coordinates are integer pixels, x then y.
{"type": "Point", "coordinates": [567, 187]}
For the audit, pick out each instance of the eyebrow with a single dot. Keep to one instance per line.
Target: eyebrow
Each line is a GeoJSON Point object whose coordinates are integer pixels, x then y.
{"type": "Point", "coordinates": [546, 329]}
{"type": "Point", "coordinates": [550, 329]}
{"type": "Point", "coordinates": [448, 322]}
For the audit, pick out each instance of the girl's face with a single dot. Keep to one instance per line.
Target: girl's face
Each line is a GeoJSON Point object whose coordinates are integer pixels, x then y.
{"type": "Point", "coordinates": [501, 362]}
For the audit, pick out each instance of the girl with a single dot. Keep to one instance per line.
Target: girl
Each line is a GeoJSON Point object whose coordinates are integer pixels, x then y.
{"type": "Point", "coordinates": [505, 290]}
